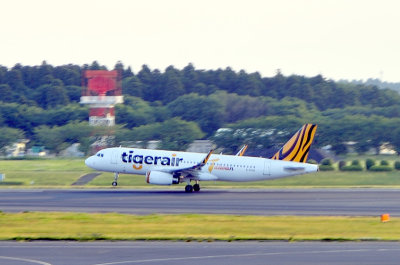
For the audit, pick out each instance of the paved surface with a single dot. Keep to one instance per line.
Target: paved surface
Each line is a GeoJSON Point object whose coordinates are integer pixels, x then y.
{"type": "Point", "coordinates": [85, 179]}
{"type": "Point", "coordinates": [176, 253]}
{"type": "Point", "coordinates": [347, 202]}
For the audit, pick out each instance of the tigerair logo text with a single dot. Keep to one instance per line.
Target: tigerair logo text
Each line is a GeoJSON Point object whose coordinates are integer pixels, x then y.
{"type": "Point", "coordinates": [139, 160]}
{"type": "Point", "coordinates": [218, 167]}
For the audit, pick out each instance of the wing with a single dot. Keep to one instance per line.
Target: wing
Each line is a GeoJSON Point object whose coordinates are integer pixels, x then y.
{"type": "Point", "coordinates": [193, 170]}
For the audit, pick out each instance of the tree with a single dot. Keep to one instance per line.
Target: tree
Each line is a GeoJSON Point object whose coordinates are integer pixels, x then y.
{"type": "Point", "coordinates": [22, 117]}
{"type": "Point", "coordinates": [96, 66]}
{"type": "Point", "coordinates": [9, 136]}
{"type": "Point", "coordinates": [172, 85]}
{"type": "Point", "coordinates": [227, 80]}
{"type": "Point", "coordinates": [190, 78]}
{"type": "Point", "coordinates": [51, 137]}
{"type": "Point", "coordinates": [45, 72]}
{"type": "Point", "coordinates": [256, 138]}
{"type": "Point", "coordinates": [52, 95]}
{"type": "Point", "coordinates": [208, 112]}
{"type": "Point", "coordinates": [3, 72]}
{"type": "Point", "coordinates": [275, 86]}
{"type": "Point", "coordinates": [74, 93]}
{"type": "Point", "coordinates": [70, 75]}
{"type": "Point", "coordinates": [15, 81]}
{"type": "Point", "coordinates": [378, 132]}
{"type": "Point", "coordinates": [6, 94]}
{"type": "Point", "coordinates": [62, 115]}
{"type": "Point", "coordinates": [249, 84]}
{"type": "Point", "coordinates": [119, 66]}
{"type": "Point", "coordinates": [132, 86]}
{"type": "Point", "coordinates": [127, 73]}
{"type": "Point", "coordinates": [152, 83]}
{"type": "Point", "coordinates": [175, 134]}
{"type": "Point", "coordinates": [238, 108]}
{"type": "Point", "coordinates": [394, 132]}
{"type": "Point", "coordinates": [58, 138]}
{"type": "Point", "coordinates": [178, 134]}
{"type": "Point", "coordinates": [134, 112]}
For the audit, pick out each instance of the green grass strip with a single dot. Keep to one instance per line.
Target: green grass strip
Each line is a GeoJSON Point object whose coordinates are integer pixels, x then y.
{"type": "Point", "coordinates": [192, 227]}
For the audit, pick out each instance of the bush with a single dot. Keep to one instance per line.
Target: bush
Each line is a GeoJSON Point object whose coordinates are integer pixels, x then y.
{"type": "Point", "coordinates": [355, 163]}
{"type": "Point", "coordinates": [326, 162]}
{"type": "Point", "coordinates": [369, 163]}
{"type": "Point", "coordinates": [326, 168]}
{"type": "Point", "coordinates": [384, 163]}
{"type": "Point", "coordinates": [352, 168]}
{"type": "Point", "coordinates": [342, 164]}
{"type": "Point", "coordinates": [312, 161]}
{"type": "Point", "coordinates": [397, 165]}
{"type": "Point", "coordinates": [381, 168]}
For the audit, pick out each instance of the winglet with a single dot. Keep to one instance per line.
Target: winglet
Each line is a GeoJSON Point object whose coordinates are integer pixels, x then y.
{"type": "Point", "coordinates": [205, 160]}
{"type": "Point", "coordinates": [297, 148]}
{"type": "Point", "coordinates": [242, 150]}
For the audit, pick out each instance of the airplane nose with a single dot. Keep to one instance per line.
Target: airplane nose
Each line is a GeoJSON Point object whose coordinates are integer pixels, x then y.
{"type": "Point", "coordinates": [89, 161]}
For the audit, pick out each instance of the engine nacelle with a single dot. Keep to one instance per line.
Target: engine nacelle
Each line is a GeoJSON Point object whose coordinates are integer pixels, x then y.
{"type": "Point", "coordinates": [161, 178]}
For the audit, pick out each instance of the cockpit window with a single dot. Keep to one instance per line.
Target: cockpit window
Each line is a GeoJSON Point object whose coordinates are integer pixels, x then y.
{"type": "Point", "coordinates": [100, 155]}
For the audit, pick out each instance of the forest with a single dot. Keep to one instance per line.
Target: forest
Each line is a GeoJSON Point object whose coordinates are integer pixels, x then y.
{"type": "Point", "coordinates": [177, 106]}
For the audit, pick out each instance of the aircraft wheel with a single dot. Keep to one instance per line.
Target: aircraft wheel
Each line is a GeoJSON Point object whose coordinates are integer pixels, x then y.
{"type": "Point", "coordinates": [196, 187]}
{"type": "Point", "coordinates": [188, 188]}
{"type": "Point", "coordinates": [114, 183]}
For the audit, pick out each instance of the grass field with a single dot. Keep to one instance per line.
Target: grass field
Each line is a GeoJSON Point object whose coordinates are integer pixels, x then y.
{"type": "Point", "coordinates": [63, 172]}
{"type": "Point", "coordinates": [192, 227]}
{"type": "Point", "coordinates": [49, 172]}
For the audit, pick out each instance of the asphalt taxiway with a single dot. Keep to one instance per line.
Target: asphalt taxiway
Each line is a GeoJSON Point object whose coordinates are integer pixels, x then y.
{"type": "Point", "coordinates": [176, 253]}
{"type": "Point", "coordinates": [343, 202]}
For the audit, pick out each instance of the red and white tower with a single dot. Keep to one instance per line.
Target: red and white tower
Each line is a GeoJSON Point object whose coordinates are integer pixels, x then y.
{"type": "Point", "coordinates": [102, 90]}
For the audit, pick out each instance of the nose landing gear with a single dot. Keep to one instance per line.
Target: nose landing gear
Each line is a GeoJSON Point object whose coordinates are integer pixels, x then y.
{"type": "Point", "coordinates": [115, 182]}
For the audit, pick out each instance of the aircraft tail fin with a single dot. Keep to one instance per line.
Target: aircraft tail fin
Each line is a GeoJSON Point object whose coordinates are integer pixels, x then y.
{"type": "Point", "coordinates": [297, 148]}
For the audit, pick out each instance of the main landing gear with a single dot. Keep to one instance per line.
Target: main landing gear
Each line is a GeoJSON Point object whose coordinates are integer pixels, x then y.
{"type": "Point", "coordinates": [190, 188]}
{"type": "Point", "coordinates": [196, 187]}
{"type": "Point", "coordinates": [115, 182]}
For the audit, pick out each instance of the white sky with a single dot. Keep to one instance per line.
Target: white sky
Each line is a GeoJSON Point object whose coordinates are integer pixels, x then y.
{"type": "Point", "coordinates": [349, 39]}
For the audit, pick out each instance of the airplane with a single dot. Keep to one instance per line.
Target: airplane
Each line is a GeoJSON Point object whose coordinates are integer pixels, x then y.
{"type": "Point", "coordinates": [162, 167]}
{"type": "Point", "coordinates": [242, 150]}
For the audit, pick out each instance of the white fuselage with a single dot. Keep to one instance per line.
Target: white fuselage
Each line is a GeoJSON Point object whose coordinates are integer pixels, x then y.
{"type": "Point", "coordinates": [218, 167]}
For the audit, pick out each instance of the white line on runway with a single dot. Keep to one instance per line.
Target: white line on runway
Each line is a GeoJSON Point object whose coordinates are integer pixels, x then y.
{"type": "Point", "coordinates": [25, 260]}
{"type": "Point", "coordinates": [239, 255]}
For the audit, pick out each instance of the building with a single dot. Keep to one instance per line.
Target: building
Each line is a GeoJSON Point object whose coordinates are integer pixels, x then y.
{"type": "Point", "coordinates": [102, 90]}
{"type": "Point", "coordinates": [17, 148]}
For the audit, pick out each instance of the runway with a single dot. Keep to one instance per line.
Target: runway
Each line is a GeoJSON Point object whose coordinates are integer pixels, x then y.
{"type": "Point", "coordinates": [343, 202]}
{"type": "Point", "coordinates": [176, 253]}
{"type": "Point", "coordinates": [347, 202]}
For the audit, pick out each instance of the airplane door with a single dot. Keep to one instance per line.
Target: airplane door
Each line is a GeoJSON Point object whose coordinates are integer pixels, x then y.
{"type": "Point", "coordinates": [267, 165]}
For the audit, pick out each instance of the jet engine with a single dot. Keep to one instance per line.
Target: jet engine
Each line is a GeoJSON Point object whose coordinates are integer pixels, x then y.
{"type": "Point", "coordinates": [161, 178]}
